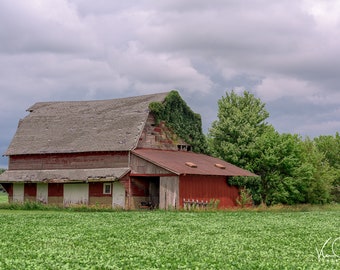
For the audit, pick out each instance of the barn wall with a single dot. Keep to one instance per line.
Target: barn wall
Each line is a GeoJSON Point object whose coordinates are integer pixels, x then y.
{"type": "Point", "coordinates": [42, 192]}
{"type": "Point", "coordinates": [97, 196]}
{"type": "Point", "coordinates": [158, 136]}
{"type": "Point", "coordinates": [56, 194]}
{"type": "Point", "coordinates": [96, 189]}
{"type": "Point", "coordinates": [196, 187]}
{"type": "Point", "coordinates": [144, 167]}
{"type": "Point", "coordinates": [168, 192]}
{"type": "Point", "coordinates": [69, 161]}
{"type": "Point", "coordinates": [118, 195]}
{"type": "Point", "coordinates": [30, 192]}
{"type": "Point", "coordinates": [18, 192]}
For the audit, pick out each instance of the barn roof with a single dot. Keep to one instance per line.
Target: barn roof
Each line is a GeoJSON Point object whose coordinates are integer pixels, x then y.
{"type": "Point", "coordinates": [82, 126]}
{"type": "Point", "coordinates": [62, 176]}
{"type": "Point", "coordinates": [180, 163]}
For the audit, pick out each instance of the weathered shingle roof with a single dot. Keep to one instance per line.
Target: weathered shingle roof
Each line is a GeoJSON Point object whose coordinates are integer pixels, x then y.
{"type": "Point", "coordinates": [82, 126]}
{"type": "Point", "coordinates": [63, 176]}
{"type": "Point", "coordinates": [181, 163]}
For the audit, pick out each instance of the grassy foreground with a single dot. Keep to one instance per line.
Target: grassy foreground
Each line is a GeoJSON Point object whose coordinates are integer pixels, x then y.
{"type": "Point", "coordinates": [168, 240]}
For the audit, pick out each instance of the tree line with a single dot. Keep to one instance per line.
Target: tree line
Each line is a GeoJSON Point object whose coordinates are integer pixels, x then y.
{"type": "Point", "coordinates": [291, 169]}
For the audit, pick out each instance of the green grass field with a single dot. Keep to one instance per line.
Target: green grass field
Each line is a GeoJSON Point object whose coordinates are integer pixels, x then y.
{"type": "Point", "coordinates": [3, 197]}
{"type": "Point", "coordinates": [168, 240]}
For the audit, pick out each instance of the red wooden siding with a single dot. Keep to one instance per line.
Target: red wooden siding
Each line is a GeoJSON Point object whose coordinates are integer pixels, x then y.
{"type": "Point", "coordinates": [30, 190]}
{"type": "Point", "coordinates": [56, 190]}
{"type": "Point", "coordinates": [197, 187]}
{"type": "Point", "coordinates": [139, 186]}
{"type": "Point", "coordinates": [96, 190]}
{"type": "Point", "coordinates": [69, 161]}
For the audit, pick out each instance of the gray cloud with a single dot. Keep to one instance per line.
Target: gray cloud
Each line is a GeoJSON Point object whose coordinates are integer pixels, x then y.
{"type": "Point", "coordinates": [284, 52]}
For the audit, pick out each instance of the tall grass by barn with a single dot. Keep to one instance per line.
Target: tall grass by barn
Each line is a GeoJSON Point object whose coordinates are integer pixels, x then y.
{"type": "Point", "coordinates": [3, 197]}
{"type": "Point", "coordinates": [168, 240]}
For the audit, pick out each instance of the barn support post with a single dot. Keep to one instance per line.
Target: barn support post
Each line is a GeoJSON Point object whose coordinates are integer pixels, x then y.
{"type": "Point", "coordinates": [129, 194]}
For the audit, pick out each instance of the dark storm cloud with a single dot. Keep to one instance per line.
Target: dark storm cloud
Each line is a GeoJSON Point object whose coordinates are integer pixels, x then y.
{"type": "Point", "coordinates": [285, 52]}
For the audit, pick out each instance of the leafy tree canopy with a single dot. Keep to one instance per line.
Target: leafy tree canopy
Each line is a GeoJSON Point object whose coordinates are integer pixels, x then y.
{"type": "Point", "coordinates": [181, 119]}
{"type": "Point", "coordinates": [291, 170]}
{"type": "Point", "coordinates": [330, 147]}
{"type": "Point", "coordinates": [241, 119]}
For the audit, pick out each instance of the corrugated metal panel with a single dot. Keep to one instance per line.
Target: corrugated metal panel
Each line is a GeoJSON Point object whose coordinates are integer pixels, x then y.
{"type": "Point", "coordinates": [175, 161]}
{"type": "Point", "coordinates": [206, 188]}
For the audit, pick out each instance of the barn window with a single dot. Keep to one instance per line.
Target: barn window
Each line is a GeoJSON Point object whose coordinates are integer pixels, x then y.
{"type": "Point", "coordinates": [107, 188]}
{"type": "Point", "coordinates": [183, 147]}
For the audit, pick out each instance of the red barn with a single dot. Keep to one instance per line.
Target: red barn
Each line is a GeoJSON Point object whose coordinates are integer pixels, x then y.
{"type": "Point", "coordinates": [112, 153]}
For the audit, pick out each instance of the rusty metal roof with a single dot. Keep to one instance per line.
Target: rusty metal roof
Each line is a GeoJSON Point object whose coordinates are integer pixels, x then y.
{"type": "Point", "coordinates": [180, 163]}
{"type": "Point", "coordinates": [82, 126]}
{"type": "Point", "coordinates": [63, 176]}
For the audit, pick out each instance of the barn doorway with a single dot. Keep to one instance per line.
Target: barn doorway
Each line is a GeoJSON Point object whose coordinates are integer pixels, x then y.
{"type": "Point", "coordinates": [145, 192]}
{"type": "Point", "coordinates": [154, 191]}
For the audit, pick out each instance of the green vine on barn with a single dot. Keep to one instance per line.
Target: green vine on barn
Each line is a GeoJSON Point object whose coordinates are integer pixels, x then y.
{"type": "Point", "coordinates": [181, 119]}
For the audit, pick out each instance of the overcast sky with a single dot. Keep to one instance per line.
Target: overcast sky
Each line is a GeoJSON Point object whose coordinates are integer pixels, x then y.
{"type": "Point", "coordinates": [287, 53]}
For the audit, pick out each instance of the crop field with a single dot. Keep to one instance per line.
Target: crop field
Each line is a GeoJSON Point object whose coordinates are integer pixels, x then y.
{"type": "Point", "coordinates": [169, 240]}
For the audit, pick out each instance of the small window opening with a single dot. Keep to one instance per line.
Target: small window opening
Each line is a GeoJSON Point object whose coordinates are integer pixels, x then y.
{"type": "Point", "coordinates": [107, 188]}
{"type": "Point", "coordinates": [183, 147]}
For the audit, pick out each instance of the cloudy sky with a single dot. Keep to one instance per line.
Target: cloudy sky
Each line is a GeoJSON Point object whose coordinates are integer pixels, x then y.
{"type": "Point", "coordinates": [285, 52]}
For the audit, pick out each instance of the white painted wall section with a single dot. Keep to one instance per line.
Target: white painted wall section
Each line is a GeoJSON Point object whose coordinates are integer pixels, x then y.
{"type": "Point", "coordinates": [18, 193]}
{"type": "Point", "coordinates": [118, 195]}
{"type": "Point", "coordinates": [76, 194]}
{"type": "Point", "coordinates": [42, 192]}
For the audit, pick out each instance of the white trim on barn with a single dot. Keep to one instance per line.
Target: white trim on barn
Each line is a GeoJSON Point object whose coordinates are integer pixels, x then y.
{"type": "Point", "coordinates": [107, 188]}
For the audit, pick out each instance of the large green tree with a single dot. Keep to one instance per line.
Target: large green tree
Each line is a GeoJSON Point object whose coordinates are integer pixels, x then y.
{"type": "Point", "coordinates": [241, 120]}
{"type": "Point", "coordinates": [329, 146]}
{"type": "Point", "coordinates": [278, 160]}
{"type": "Point", "coordinates": [319, 175]}
{"type": "Point", "coordinates": [291, 170]}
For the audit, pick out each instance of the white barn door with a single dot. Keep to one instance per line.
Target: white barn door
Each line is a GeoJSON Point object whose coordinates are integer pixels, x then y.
{"type": "Point", "coordinates": [42, 192]}
{"type": "Point", "coordinates": [118, 195]}
{"type": "Point", "coordinates": [168, 192]}
{"type": "Point", "coordinates": [76, 194]}
{"type": "Point", "coordinates": [18, 193]}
